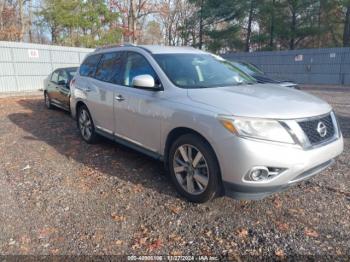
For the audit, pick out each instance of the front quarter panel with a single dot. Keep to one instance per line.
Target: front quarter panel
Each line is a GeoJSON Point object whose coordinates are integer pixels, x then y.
{"type": "Point", "coordinates": [198, 117]}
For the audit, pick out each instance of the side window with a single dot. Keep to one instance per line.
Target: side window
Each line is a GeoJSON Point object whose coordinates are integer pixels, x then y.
{"type": "Point", "coordinates": [136, 65]}
{"type": "Point", "coordinates": [54, 77]}
{"type": "Point", "coordinates": [110, 68]}
{"type": "Point", "coordinates": [88, 67]}
{"type": "Point", "coordinates": [63, 76]}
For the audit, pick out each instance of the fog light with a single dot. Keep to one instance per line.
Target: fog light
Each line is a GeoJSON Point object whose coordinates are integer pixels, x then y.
{"type": "Point", "coordinates": [262, 173]}
{"type": "Point", "coordinates": [258, 174]}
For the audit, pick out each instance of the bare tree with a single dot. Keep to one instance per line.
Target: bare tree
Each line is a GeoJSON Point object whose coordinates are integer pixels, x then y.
{"type": "Point", "coordinates": [175, 16]}
{"type": "Point", "coordinates": [133, 14]}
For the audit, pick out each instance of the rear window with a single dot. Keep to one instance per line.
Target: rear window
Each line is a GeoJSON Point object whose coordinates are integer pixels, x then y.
{"type": "Point", "coordinates": [89, 66]}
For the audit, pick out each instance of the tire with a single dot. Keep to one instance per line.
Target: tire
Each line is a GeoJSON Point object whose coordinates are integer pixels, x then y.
{"type": "Point", "coordinates": [86, 125]}
{"type": "Point", "coordinates": [197, 178]}
{"type": "Point", "coordinates": [47, 100]}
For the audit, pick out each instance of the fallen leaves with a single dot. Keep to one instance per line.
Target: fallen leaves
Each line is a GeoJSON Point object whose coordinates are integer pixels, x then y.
{"type": "Point", "coordinates": [279, 253]}
{"type": "Point", "coordinates": [277, 202]}
{"type": "Point", "coordinates": [138, 188]}
{"type": "Point", "coordinates": [176, 253]}
{"type": "Point", "coordinates": [175, 238]}
{"type": "Point", "coordinates": [310, 233]}
{"type": "Point", "coordinates": [46, 232]}
{"type": "Point", "coordinates": [119, 242]}
{"type": "Point", "coordinates": [282, 226]}
{"type": "Point", "coordinates": [118, 218]}
{"type": "Point", "coordinates": [147, 243]}
{"type": "Point", "coordinates": [242, 232]}
{"type": "Point", "coordinates": [175, 209]}
{"type": "Point", "coordinates": [155, 245]}
{"type": "Point", "coordinates": [55, 251]}
{"type": "Point", "coordinates": [144, 239]}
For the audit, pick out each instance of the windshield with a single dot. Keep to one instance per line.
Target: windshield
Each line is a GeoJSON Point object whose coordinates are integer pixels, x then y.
{"type": "Point", "coordinates": [201, 71]}
{"type": "Point", "coordinates": [247, 68]}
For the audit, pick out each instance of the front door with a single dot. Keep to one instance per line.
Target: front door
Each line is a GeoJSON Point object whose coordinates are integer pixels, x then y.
{"type": "Point", "coordinates": [52, 87]}
{"type": "Point", "coordinates": [63, 90]}
{"type": "Point", "coordinates": [137, 111]}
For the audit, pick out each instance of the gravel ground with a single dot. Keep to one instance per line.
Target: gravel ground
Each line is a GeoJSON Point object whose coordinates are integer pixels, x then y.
{"type": "Point", "coordinates": [60, 196]}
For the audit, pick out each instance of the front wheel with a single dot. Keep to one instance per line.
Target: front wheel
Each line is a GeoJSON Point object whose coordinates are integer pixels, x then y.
{"type": "Point", "coordinates": [194, 169]}
{"type": "Point", "coordinates": [86, 125]}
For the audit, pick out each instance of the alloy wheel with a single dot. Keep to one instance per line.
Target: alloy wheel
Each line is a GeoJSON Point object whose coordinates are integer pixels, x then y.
{"type": "Point", "coordinates": [191, 169]}
{"type": "Point", "coordinates": [85, 124]}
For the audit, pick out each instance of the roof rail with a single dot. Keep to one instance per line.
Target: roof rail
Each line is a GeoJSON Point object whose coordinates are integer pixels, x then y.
{"type": "Point", "coordinates": [113, 45]}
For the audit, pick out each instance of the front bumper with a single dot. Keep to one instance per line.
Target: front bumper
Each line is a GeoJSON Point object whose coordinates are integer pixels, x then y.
{"type": "Point", "coordinates": [237, 156]}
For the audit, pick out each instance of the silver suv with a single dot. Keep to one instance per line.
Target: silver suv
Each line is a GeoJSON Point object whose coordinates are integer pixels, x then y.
{"type": "Point", "coordinates": [217, 131]}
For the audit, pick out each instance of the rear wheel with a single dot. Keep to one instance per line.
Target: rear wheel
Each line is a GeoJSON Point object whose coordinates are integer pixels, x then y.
{"type": "Point", "coordinates": [86, 125]}
{"type": "Point", "coordinates": [194, 169]}
{"type": "Point", "coordinates": [47, 101]}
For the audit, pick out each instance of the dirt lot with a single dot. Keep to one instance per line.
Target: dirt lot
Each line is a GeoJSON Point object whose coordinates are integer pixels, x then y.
{"type": "Point", "coordinates": [59, 195]}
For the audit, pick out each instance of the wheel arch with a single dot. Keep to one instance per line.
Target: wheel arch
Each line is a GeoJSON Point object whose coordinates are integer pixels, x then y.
{"type": "Point", "coordinates": [78, 105]}
{"type": "Point", "coordinates": [180, 131]}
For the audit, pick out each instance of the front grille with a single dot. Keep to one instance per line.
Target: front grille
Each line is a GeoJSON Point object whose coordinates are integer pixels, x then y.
{"type": "Point", "coordinates": [310, 129]}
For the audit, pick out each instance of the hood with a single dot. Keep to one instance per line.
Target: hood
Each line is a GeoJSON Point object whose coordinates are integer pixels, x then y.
{"type": "Point", "coordinates": [261, 100]}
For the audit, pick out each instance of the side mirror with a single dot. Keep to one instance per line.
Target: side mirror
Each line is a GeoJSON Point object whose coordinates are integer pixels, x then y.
{"type": "Point", "coordinates": [144, 81]}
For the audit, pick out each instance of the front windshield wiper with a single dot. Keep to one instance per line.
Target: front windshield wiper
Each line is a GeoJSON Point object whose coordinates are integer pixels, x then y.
{"type": "Point", "coordinates": [217, 86]}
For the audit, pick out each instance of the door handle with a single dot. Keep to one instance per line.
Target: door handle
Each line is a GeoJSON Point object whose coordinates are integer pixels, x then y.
{"type": "Point", "coordinates": [119, 98]}
{"type": "Point", "coordinates": [87, 89]}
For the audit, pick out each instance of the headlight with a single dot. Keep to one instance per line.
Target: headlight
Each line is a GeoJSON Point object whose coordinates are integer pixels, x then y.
{"type": "Point", "coordinates": [264, 129]}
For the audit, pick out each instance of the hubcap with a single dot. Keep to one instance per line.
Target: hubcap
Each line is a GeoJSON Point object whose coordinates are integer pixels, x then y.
{"type": "Point", "coordinates": [191, 169]}
{"type": "Point", "coordinates": [85, 124]}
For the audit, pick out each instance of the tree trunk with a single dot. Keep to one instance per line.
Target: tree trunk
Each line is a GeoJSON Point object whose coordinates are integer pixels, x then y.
{"type": "Point", "coordinates": [53, 35]}
{"type": "Point", "coordinates": [21, 20]}
{"type": "Point", "coordinates": [2, 6]}
{"type": "Point", "coordinates": [346, 34]}
{"type": "Point", "coordinates": [293, 31]}
{"type": "Point", "coordinates": [131, 22]}
{"type": "Point", "coordinates": [249, 30]}
{"type": "Point", "coordinates": [319, 25]}
{"type": "Point", "coordinates": [272, 26]}
{"type": "Point", "coordinates": [30, 21]}
{"type": "Point", "coordinates": [201, 26]}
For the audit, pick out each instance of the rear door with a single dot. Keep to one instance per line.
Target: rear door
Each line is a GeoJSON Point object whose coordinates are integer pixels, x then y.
{"type": "Point", "coordinates": [107, 75]}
